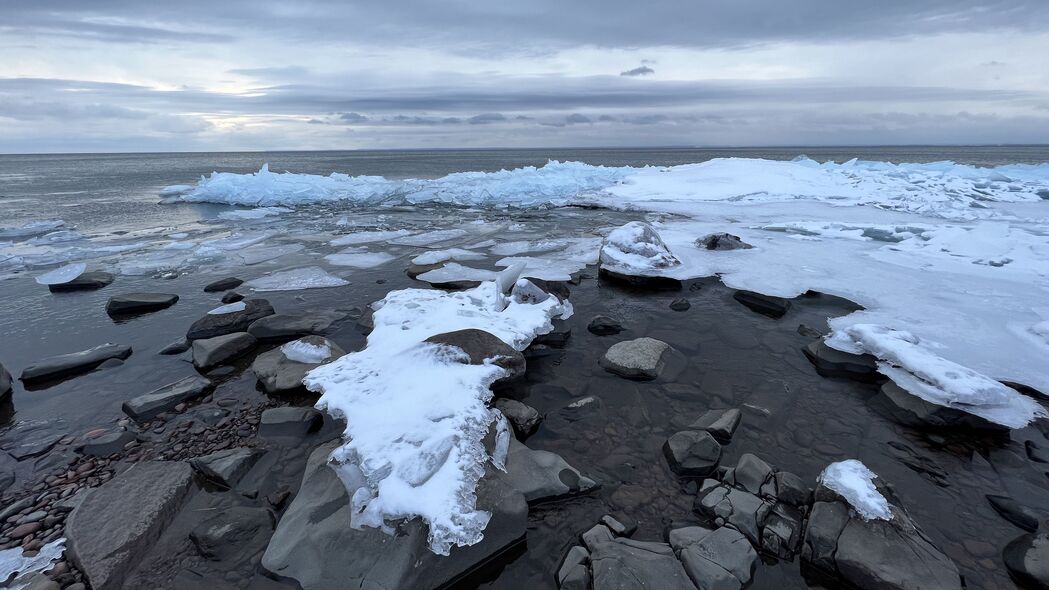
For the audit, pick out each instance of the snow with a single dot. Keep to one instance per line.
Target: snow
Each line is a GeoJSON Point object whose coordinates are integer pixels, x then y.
{"type": "Point", "coordinates": [907, 360]}
{"type": "Point", "coordinates": [228, 308]}
{"type": "Point", "coordinates": [439, 256]}
{"type": "Point", "coordinates": [854, 482]}
{"type": "Point", "coordinates": [62, 274]}
{"type": "Point", "coordinates": [413, 440]}
{"type": "Point", "coordinates": [257, 213]}
{"type": "Point", "coordinates": [359, 259]}
{"type": "Point", "coordinates": [12, 562]}
{"type": "Point", "coordinates": [635, 249]}
{"type": "Point", "coordinates": [304, 352]}
{"type": "Point", "coordinates": [309, 277]}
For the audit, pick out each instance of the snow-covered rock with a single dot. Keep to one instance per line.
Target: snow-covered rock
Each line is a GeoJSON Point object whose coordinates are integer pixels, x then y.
{"type": "Point", "coordinates": [635, 250]}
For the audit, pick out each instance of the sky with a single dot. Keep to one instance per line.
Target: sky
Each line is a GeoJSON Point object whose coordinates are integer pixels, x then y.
{"type": "Point", "coordinates": [127, 76]}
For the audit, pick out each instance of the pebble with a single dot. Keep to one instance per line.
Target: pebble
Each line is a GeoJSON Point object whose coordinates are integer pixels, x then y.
{"type": "Point", "coordinates": [26, 529]}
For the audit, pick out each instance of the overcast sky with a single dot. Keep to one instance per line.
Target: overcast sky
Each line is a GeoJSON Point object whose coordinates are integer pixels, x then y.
{"type": "Point", "coordinates": [126, 75]}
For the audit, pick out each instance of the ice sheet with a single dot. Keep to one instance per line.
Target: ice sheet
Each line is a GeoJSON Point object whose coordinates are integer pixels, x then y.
{"type": "Point", "coordinates": [309, 277]}
{"type": "Point", "coordinates": [257, 213]}
{"type": "Point", "coordinates": [358, 259]}
{"type": "Point", "coordinates": [304, 352]}
{"type": "Point", "coordinates": [63, 274]}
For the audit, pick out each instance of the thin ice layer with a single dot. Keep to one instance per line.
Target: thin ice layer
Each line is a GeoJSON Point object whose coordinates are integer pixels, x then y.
{"type": "Point", "coordinates": [62, 274]}
{"type": "Point", "coordinates": [12, 562]}
{"type": "Point", "coordinates": [301, 351]}
{"type": "Point", "coordinates": [854, 482]}
{"type": "Point", "coordinates": [309, 277]}
{"type": "Point", "coordinates": [416, 414]}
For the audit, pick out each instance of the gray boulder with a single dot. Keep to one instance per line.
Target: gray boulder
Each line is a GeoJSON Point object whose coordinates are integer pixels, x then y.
{"type": "Point", "coordinates": [283, 326]}
{"type": "Point", "coordinates": [223, 285]}
{"type": "Point", "coordinates": [721, 424]}
{"type": "Point", "coordinates": [289, 421]}
{"type": "Point", "coordinates": [743, 510]}
{"type": "Point", "coordinates": [642, 358]}
{"type": "Point", "coordinates": [774, 307]}
{"type": "Point", "coordinates": [692, 453]}
{"type": "Point", "coordinates": [574, 573]}
{"type": "Point", "coordinates": [115, 524]}
{"type": "Point", "coordinates": [623, 564]}
{"type": "Point", "coordinates": [211, 352]}
{"type": "Point", "coordinates": [234, 535]}
{"type": "Point", "coordinates": [147, 406]}
{"type": "Point", "coordinates": [227, 466]}
{"type": "Point", "coordinates": [912, 410]}
{"type": "Point", "coordinates": [136, 303]}
{"type": "Point", "coordinates": [314, 541]}
{"type": "Point", "coordinates": [721, 559]}
{"type": "Point", "coordinates": [232, 297]}
{"type": "Point", "coordinates": [1014, 512]}
{"type": "Point", "coordinates": [85, 282]}
{"type": "Point", "coordinates": [177, 347]}
{"type": "Point", "coordinates": [830, 362]}
{"type": "Point", "coordinates": [542, 475]}
{"type": "Point", "coordinates": [73, 363]}
{"type": "Point", "coordinates": [480, 346]}
{"type": "Point", "coordinates": [1027, 559]}
{"type": "Point", "coordinates": [108, 443]}
{"type": "Point", "coordinates": [722, 241]}
{"type": "Point", "coordinates": [212, 325]}
{"type": "Point", "coordinates": [279, 374]}
{"type": "Point", "coordinates": [524, 418]}
{"type": "Point", "coordinates": [604, 326]}
{"type": "Point", "coordinates": [873, 554]}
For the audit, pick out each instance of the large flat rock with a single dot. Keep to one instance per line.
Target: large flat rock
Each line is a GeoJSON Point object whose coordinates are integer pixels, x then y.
{"type": "Point", "coordinates": [641, 358]}
{"type": "Point", "coordinates": [315, 545]}
{"type": "Point", "coordinates": [136, 303]}
{"type": "Point", "coordinates": [87, 281]}
{"type": "Point", "coordinates": [279, 374]}
{"type": "Point", "coordinates": [212, 325]}
{"type": "Point", "coordinates": [147, 406]}
{"type": "Point", "coordinates": [115, 525]}
{"type": "Point", "coordinates": [211, 352]}
{"type": "Point", "coordinates": [65, 365]}
{"type": "Point", "coordinates": [283, 326]}
{"type": "Point", "coordinates": [542, 475]}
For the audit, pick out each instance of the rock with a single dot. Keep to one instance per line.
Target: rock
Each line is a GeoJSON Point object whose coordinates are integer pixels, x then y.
{"type": "Point", "coordinates": [722, 559]}
{"type": "Point", "coordinates": [314, 537]}
{"type": "Point", "coordinates": [223, 285]}
{"type": "Point", "coordinates": [876, 553]}
{"type": "Point", "coordinates": [366, 323]}
{"type": "Point", "coordinates": [42, 582]}
{"type": "Point", "coordinates": [604, 326]}
{"type": "Point", "coordinates": [597, 535]}
{"type": "Point", "coordinates": [1014, 512]}
{"type": "Point", "coordinates": [618, 528]}
{"type": "Point", "coordinates": [135, 303]}
{"type": "Point", "coordinates": [283, 326]}
{"type": "Point", "coordinates": [16, 507]}
{"type": "Point", "coordinates": [1027, 559]}
{"type": "Point", "coordinates": [722, 241]}
{"type": "Point", "coordinates": [231, 297]}
{"type": "Point", "coordinates": [22, 530]}
{"type": "Point", "coordinates": [743, 510]}
{"type": "Point", "coordinates": [107, 444]}
{"type": "Point", "coordinates": [751, 473]}
{"type": "Point", "coordinates": [234, 535]}
{"type": "Point", "coordinates": [636, 254]}
{"type": "Point", "coordinates": [574, 573]}
{"type": "Point", "coordinates": [721, 424]}
{"type": "Point", "coordinates": [279, 374]}
{"type": "Point", "coordinates": [212, 325]}
{"type": "Point", "coordinates": [148, 406]}
{"type": "Point", "coordinates": [781, 534]}
{"type": "Point", "coordinates": [5, 384]}
{"type": "Point", "coordinates": [542, 475]}
{"type": "Point", "coordinates": [774, 307]}
{"type": "Point", "coordinates": [642, 358]}
{"type": "Point", "coordinates": [289, 421]}
{"type": "Point", "coordinates": [117, 523]}
{"type": "Point", "coordinates": [1036, 453]}
{"type": "Point", "coordinates": [480, 346]}
{"type": "Point", "coordinates": [210, 352]}
{"type": "Point", "coordinates": [792, 489]}
{"type": "Point", "coordinates": [73, 363]}
{"type": "Point", "coordinates": [177, 347]}
{"type": "Point", "coordinates": [680, 305]}
{"type": "Point", "coordinates": [692, 453]}
{"type": "Point", "coordinates": [830, 362]}
{"type": "Point", "coordinates": [911, 410]}
{"type": "Point", "coordinates": [623, 564]}
{"type": "Point", "coordinates": [558, 337]}
{"type": "Point", "coordinates": [85, 282]}
{"type": "Point", "coordinates": [226, 467]}
{"type": "Point", "coordinates": [524, 418]}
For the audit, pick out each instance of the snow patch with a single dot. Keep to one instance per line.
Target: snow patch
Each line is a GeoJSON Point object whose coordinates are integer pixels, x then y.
{"type": "Point", "coordinates": [228, 308]}
{"type": "Point", "coordinates": [854, 482]}
{"type": "Point", "coordinates": [304, 352]}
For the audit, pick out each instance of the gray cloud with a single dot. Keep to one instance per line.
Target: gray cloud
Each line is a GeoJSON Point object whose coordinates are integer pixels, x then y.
{"type": "Point", "coordinates": [577, 119]}
{"type": "Point", "coordinates": [352, 117]}
{"type": "Point", "coordinates": [485, 118]}
{"type": "Point", "coordinates": [639, 71]}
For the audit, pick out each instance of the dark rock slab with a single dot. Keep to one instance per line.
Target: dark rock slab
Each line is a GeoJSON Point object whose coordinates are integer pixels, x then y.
{"type": "Point", "coordinates": [177, 347]}
{"type": "Point", "coordinates": [87, 281]}
{"type": "Point", "coordinates": [558, 337]}
{"type": "Point", "coordinates": [30, 438]}
{"type": "Point", "coordinates": [227, 466]}
{"type": "Point", "coordinates": [1036, 452]}
{"type": "Point", "coordinates": [542, 475]}
{"type": "Point", "coordinates": [622, 563]}
{"type": "Point", "coordinates": [692, 453]}
{"type": "Point", "coordinates": [911, 410]}
{"type": "Point", "coordinates": [1014, 512]}
{"type": "Point", "coordinates": [210, 325]}
{"type": "Point", "coordinates": [148, 406]}
{"type": "Point", "coordinates": [283, 326]}
{"type": "Point", "coordinates": [289, 421]}
{"type": "Point", "coordinates": [722, 241]}
{"type": "Point", "coordinates": [746, 512]}
{"type": "Point", "coordinates": [480, 346]}
{"type": "Point", "coordinates": [830, 362]}
{"type": "Point", "coordinates": [137, 303]}
{"type": "Point", "coordinates": [211, 352]}
{"type": "Point", "coordinates": [235, 535]}
{"type": "Point", "coordinates": [115, 525]}
{"type": "Point", "coordinates": [223, 285]}
{"type": "Point", "coordinates": [774, 307]}
{"type": "Point", "coordinates": [680, 305]}
{"type": "Point", "coordinates": [721, 424]}
{"type": "Point", "coordinates": [720, 559]}
{"type": "Point", "coordinates": [314, 537]}
{"type": "Point", "coordinates": [524, 418]}
{"type": "Point", "coordinates": [107, 444]}
{"type": "Point", "coordinates": [279, 374]}
{"type": "Point", "coordinates": [73, 363]}
{"type": "Point", "coordinates": [5, 384]}
{"type": "Point", "coordinates": [1027, 559]}
{"type": "Point", "coordinates": [641, 358]}
{"type": "Point", "coordinates": [604, 326]}
{"type": "Point", "coordinates": [232, 297]}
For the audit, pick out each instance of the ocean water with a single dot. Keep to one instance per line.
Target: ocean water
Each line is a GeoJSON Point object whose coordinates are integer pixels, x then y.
{"type": "Point", "coordinates": [107, 192]}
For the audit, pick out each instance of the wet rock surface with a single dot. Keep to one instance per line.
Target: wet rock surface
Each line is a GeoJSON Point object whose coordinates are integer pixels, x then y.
{"type": "Point", "coordinates": [211, 352]}
{"type": "Point", "coordinates": [279, 374]}
{"type": "Point", "coordinates": [212, 325]}
{"type": "Point", "coordinates": [139, 303]}
{"type": "Point", "coordinates": [774, 307]}
{"type": "Point", "coordinates": [88, 281]}
{"type": "Point", "coordinates": [642, 358]}
{"type": "Point", "coordinates": [74, 363]}
{"type": "Point", "coordinates": [149, 405]}
{"type": "Point", "coordinates": [223, 285]}
{"type": "Point", "coordinates": [722, 241]}
{"type": "Point", "coordinates": [481, 346]}
{"type": "Point", "coordinates": [291, 326]}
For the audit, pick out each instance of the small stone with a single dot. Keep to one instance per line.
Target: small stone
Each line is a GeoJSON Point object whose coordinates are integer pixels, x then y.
{"type": "Point", "coordinates": [722, 241]}
{"type": "Point", "coordinates": [232, 297]}
{"type": "Point", "coordinates": [137, 303]}
{"type": "Point", "coordinates": [680, 305]}
{"type": "Point", "coordinates": [524, 418]}
{"type": "Point", "coordinates": [774, 307]}
{"type": "Point", "coordinates": [642, 358]}
{"type": "Point", "coordinates": [604, 326]}
{"type": "Point", "coordinates": [223, 285]}
{"type": "Point", "coordinates": [692, 453]}
{"type": "Point", "coordinates": [721, 424]}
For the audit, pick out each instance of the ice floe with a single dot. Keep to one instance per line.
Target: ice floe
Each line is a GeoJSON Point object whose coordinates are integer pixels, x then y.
{"type": "Point", "coordinates": [33, 228]}
{"type": "Point", "coordinates": [228, 308]}
{"type": "Point", "coordinates": [308, 277]}
{"type": "Point", "coordinates": [304, 352]}
{"type": "Point", "coordinates": [256, 213]}
{"type": "Point", "coordinates": [359, 258]}
{"type": "Point", "coordinates": [439, 256]}
{"type": "Point", "coordinates": [413, 440]}
{"type": "Point", "coordinates": [367, 237]}
{"type": "Point", "coordinates": [62, 274]}
{"type": "Point", "coordinates": [855, 482]}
